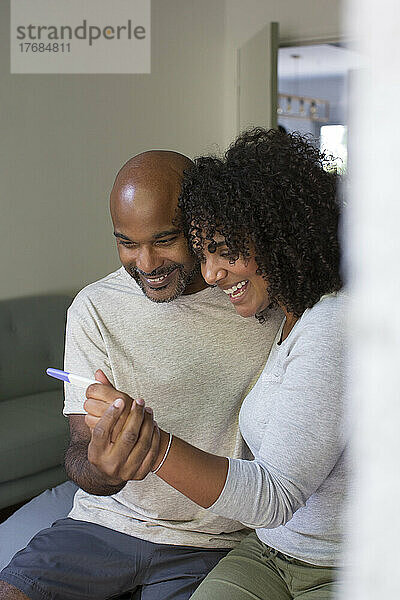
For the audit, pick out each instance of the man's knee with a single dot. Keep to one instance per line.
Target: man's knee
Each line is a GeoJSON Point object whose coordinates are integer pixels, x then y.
{"type": "Point", "coordinates": [9, 592]}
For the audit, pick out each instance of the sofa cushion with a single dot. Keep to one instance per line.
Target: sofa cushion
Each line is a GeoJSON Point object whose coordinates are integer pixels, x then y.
{"type": "Point", "coordinates": [31, 339]}
{"type": "Point", "coordinates": [18, 490]}
{"type": "Point", "coordinates": [33, 434]}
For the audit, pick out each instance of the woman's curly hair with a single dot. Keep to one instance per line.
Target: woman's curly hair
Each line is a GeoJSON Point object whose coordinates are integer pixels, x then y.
{"type": "Point", "coordinates": [270, 194]}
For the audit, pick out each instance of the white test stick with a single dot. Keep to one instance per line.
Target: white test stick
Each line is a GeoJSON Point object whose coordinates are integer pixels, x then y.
{"type": "Point", "coordinates": [77, 380]}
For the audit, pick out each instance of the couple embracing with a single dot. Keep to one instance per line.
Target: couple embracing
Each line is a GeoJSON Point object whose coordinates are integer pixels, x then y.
{"type": "Point", "coordinates": [212, 459]}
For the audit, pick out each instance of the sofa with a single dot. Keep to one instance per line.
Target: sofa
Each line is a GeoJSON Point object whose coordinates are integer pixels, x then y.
{"type": "Point", "coordinates": [33, 431]}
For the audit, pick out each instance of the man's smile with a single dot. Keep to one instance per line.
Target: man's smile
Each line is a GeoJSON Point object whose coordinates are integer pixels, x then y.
{"type": "Point", "coordinates": [156, 283]}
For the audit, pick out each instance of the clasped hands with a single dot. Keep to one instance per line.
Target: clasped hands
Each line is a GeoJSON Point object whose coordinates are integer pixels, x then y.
{"type": "Point", "coordinates": [125, 439]}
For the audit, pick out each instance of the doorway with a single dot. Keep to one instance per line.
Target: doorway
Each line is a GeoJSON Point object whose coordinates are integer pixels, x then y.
{"type": "Point", "coordinates": [313, 83]}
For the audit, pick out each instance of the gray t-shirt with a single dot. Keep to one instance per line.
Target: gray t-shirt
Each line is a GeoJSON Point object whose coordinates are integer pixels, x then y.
{"type": "Point", "coordinates": [193, 361]}
{"type": "Point", "coordinates": [294, 423]}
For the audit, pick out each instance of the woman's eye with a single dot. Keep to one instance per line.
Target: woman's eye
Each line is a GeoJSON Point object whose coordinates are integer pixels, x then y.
{"type": "Point", "coordinates": [229, 256]}
{"type": "Point", "coordinates": [226, 254]}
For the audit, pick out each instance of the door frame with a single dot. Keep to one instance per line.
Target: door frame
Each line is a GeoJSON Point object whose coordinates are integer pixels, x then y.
{"type": "Point", "coordinates": [306, 41]}
{"type": "Point", "coordinates": [284, 43]}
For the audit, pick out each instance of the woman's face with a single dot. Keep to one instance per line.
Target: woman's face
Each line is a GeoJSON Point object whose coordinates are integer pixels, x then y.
{"type": "Point", "coordinates": [244, 287]}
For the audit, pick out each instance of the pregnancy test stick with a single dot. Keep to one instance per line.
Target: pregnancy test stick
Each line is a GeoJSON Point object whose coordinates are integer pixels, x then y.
{"type": "Point", "coordinates": [82, 382]}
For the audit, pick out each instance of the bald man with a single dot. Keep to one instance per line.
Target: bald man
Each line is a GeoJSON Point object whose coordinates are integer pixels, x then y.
{"type": "Point", "coordinates": [158, 259]}
{"type": "Point", "coordinates": [157, 332]}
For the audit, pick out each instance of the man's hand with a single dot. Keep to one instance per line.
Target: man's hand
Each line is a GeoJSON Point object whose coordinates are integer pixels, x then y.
{"type": "Point", "coordinates": [135, 450]}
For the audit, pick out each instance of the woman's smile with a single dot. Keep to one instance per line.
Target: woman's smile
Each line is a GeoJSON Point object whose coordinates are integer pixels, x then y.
{"type": "Point", "coordinates": [240, 280]}
{"type": "Point", "coordinates": [237, 291]}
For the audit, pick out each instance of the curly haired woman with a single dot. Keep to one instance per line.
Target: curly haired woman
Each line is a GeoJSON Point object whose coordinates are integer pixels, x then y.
{"type": "Point", "coordinates": [264, 222]}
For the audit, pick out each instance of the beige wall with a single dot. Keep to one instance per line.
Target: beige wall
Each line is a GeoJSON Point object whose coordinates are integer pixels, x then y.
{"type": "Point", "coordinates": [65, 136]}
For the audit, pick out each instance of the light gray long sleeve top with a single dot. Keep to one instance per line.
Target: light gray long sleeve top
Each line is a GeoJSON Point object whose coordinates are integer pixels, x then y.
{"type": "Point", "coordinates": [294, 423]}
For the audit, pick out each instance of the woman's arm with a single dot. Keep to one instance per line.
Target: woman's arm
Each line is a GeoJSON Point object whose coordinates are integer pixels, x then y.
{"type": "Point", "coordinates": [197, 474]}
{"type": "Point", "coordinates": [302, 431]}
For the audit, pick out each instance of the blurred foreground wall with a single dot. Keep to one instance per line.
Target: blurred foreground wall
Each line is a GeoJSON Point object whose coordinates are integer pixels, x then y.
{"type": "Point", "coordinates": [373, 249]}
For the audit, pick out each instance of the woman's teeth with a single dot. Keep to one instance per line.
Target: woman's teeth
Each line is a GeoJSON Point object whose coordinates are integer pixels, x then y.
{"type": "Point", "coordinates": [236, 290]}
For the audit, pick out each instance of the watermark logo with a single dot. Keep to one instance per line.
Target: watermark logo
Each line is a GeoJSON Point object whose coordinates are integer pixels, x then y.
{"type": "Point", "coordinates": [80, 36]}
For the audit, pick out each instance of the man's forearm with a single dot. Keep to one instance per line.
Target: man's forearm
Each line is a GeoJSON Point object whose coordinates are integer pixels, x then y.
{"type": "Point", "coordinates": [86, 475]}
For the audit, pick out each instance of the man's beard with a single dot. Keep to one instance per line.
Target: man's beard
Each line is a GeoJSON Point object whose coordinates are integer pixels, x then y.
{"type": "Point", "coordinates": [183, 279]}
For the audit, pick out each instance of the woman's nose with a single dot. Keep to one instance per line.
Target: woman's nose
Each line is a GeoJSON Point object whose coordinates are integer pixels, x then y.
{"type": "Point", "coordinates": [211, 272]}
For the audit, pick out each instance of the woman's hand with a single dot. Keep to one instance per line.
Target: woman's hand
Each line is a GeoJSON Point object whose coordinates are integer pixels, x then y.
{"type": "Point", "coordinates": [125, 438]}
{"type": "Point", "coordinates": [100, 397]}
{"type": "Point", "coordinates": [134, 452]}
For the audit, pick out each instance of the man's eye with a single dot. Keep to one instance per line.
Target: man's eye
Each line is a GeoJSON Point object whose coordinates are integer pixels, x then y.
{"type": "Point", "coordinates": [126, 244]}
{"type": "Point", "coordinates": [166, 242]}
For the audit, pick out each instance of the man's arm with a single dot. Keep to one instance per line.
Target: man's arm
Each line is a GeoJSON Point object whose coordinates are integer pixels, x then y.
{"type": "Point", "coordinates": [79, 469]}
{"type": "Point", "coordinates": [101, 465]}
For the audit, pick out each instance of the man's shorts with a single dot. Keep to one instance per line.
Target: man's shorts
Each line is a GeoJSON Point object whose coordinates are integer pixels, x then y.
{"type": "Point", "coordinates": [77, 560]}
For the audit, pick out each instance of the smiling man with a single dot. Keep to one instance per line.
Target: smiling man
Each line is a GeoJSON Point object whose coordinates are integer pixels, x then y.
{"type": "Point", "coordinates": [143, 208]}
{"type": "Point", "coordinates": [192, 360]}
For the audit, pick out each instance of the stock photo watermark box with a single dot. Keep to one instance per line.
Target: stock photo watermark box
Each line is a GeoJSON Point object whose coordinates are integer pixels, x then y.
{"type": "Point", "coordinates": [80, 36]}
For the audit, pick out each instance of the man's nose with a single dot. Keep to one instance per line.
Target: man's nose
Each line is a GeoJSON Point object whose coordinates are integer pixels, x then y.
{"type": "Point", "coordinates": [147, 260]}
{"type": "Point", "coordinates": [212, 272]}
